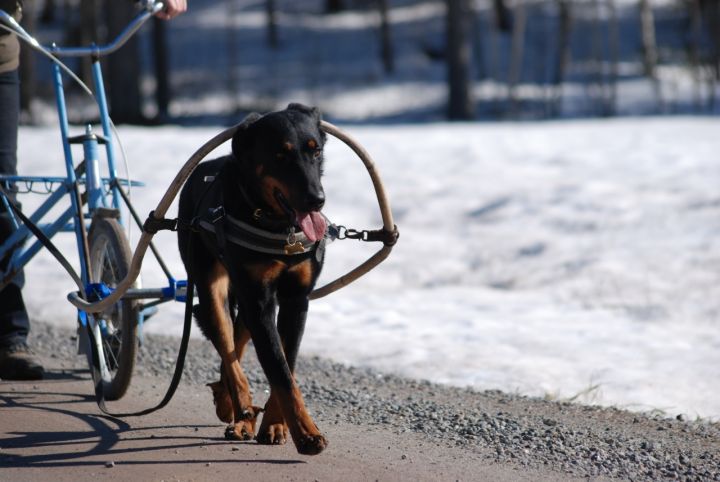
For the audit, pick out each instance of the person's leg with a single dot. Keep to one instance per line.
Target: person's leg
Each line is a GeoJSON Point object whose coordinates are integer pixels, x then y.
{"type": "Point", "coordinates": [16, 361]}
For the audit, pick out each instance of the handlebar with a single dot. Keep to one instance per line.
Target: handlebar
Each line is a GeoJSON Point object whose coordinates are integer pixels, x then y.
{"type": "Point", "coordinates": [148, 9]}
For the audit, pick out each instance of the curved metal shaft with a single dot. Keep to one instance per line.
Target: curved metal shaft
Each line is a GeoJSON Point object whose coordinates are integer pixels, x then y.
{"type": "Point", "coordinates": [185, 172]}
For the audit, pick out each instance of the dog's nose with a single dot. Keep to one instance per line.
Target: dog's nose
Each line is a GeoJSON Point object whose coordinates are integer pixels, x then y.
{"type": "Point", "coordinates": [315, 201]}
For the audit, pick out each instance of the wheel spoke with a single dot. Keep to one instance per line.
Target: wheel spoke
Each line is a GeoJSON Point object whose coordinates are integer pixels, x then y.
{"type": "Point", "coordinates": [110, 355]}
{"type": "Point", "coordinates": [110, 261]}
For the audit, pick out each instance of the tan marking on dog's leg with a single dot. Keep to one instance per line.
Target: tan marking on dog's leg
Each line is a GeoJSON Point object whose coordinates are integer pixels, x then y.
{"type": "Point", "coordinates": [245, 429]}
{"type": "Point", "coordinates": [237, 384]}
{"type": "Point", "coordinates": [273, 429]}
{"type": "Point", "coordinates": [265, 273]}
{"type": "Point", "coordinates": [221, 399]}
{"type": "Point", "coordinates": [303, 272]}
{"type": "Point", "coordinates": [305, 434]}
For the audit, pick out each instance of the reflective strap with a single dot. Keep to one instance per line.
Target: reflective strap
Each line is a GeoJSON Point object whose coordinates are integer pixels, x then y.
{"type": "Point", "coordinates": [271, 246]}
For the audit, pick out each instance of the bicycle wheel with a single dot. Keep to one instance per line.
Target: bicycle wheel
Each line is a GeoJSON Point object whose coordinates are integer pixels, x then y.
{"type": "Point", "coordinates": [109, 264]}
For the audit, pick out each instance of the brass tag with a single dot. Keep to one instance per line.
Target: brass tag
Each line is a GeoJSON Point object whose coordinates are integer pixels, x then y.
{"type": "Point", "coordinates": [295, 248]}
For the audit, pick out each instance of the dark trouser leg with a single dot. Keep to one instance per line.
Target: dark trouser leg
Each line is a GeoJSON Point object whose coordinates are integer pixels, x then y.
{"type": "Point", "coordinates": [14, 323]}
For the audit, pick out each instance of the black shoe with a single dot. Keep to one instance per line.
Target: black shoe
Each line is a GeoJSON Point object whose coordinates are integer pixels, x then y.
{"type": "Point", "coordinates": [17, 362]}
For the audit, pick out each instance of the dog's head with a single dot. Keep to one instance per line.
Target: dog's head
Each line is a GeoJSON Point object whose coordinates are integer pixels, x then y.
{"type": "Point", "coordinates": [281, 158]}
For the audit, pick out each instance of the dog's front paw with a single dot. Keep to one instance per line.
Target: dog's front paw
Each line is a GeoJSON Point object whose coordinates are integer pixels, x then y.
{"type": "Point", "coordinates": [251, 413]}
{"type": "Point", "coordinates": [221, 399]}
{"type": "Point", "coordinates": [239, 431]}
{"type": "Point", "coordinates": [274, 434]}
{"type": "Point", "coordinates": [311, 444]}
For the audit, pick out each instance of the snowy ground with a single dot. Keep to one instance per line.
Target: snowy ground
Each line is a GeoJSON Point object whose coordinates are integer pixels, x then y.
{"type": "Point", "coordinates": [549, 259]}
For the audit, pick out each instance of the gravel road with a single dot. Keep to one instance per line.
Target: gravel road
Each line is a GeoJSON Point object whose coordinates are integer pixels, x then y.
{"type": "Point", "coordinates": [564, 438]}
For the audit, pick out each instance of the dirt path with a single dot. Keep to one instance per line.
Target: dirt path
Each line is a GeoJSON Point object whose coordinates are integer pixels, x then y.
{"type": "Point", "coordinates": [379, 426]}
{"type": "Point", "coordinates": [52, 430]}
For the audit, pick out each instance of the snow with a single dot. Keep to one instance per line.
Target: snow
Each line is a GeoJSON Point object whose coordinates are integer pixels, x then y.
{"type": "Point", "coordinates": [552, 259]}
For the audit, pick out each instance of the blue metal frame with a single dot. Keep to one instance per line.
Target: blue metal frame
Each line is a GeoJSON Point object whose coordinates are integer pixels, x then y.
{"type": "Point", "coordinates": [105, 121]}
{"type": "Point", "coordinates": [102, 192]}
{"type": "Point", "coordinates": [95, 187]}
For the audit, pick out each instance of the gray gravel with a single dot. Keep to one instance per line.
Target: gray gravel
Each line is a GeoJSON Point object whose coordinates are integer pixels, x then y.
{"type": "Point", "coordinates": [567, 438]}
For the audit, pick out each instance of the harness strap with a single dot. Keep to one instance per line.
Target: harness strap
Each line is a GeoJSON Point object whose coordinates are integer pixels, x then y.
{"type": "Point", "coordinates": [43, 239]}
{"type": "Point", "coordinates": [179, 363]}
{"type": "Point", "coordinates": [95, 356]}
{"type": "Point", "coordinates": [267, 246]}
{"type": "Point", "coordinates": [226, 229]}
{"type": "Point", "coordinates": [261, 217]}
{"type": "Point", "coordinates": [388, 238]}
{"type": "Point", "coordinates": [216, 217]}
{"type": "Point", "coordinates": [152, 224]}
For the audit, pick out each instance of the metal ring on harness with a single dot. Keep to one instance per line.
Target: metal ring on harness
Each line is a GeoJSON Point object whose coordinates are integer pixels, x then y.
{"type": "Point", "coordinates": [184, 173]}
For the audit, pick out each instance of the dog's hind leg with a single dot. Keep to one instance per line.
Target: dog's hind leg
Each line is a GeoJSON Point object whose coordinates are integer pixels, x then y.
{"type": "Point", "coordinates": [215, 318]}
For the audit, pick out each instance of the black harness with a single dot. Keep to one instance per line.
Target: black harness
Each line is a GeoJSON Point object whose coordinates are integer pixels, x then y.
{"type": "Point", "coordinates": [211, 218]}
{"type": "Point", "coordinates": [229, 229]}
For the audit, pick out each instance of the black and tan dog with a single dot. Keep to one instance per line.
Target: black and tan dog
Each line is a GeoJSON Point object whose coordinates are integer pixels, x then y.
{"type": "Point", "coordinates": [260, 246]}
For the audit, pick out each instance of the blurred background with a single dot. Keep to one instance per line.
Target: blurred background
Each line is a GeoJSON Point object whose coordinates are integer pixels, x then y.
{"type": "Point", "coordinates": [394, 60]}
{"type": "Point", "coordinates": [562, 240]}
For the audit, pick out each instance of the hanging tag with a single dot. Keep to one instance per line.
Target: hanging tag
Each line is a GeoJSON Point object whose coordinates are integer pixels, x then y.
{"type": "Point", "coordinates": [293, 246]}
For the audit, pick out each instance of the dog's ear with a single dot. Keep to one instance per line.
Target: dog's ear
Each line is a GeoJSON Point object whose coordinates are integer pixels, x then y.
{"type": "Point", "coordinates": [241, 139]}
{"type": "Point", "coordinates": [313, 112]}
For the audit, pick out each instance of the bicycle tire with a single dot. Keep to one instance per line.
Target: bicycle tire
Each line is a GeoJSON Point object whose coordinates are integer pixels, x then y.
{"type": "Point", "coordinates": [110, 258]}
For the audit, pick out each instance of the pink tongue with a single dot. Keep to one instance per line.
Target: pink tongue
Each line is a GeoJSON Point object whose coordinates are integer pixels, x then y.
{"type": "Point", "coordinates": [313, 225]}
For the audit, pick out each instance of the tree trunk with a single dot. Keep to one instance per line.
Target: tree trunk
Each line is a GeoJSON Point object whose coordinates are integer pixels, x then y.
{"type": "Point", "coordinates": [712, 13]}
{"type": "Point", "coordinates": [460, 105]}
{"type": "Point", "coordinates": [503, 19]}
{"type": "Point", "coordinates": [478, 28]}
{"type": "Point", "coordinates": [123, 67]}
{"type": "Point", "coordinates": [564, 53]}
{"type": "Point", "coordinates": [517, 54]}
{"type": "Point", "coordinates": [614, 47]}
{"type": "Point", "coordinates": [48, 12]}
{"type": "Point", "coordinates": [233, 57]}
{"type": "Point", "coordinates": [386, 47]}
{"type": "Point", "coordinates": [693, 49]}
{"type": "Point", "coordinates": [88, 32]}
{"type": "Point", "coordinates": [272, 34]}
{"type": "Point", "coordinates": [649, 48]}
{"type": "Point", "coordinates": [162, 85]}
{"type": "Point", "coordinates": [597, 84]}
{"type": "Point", "coordinates": [27, 59]}
{"type": "Point", "coordinates": [334, 6]}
